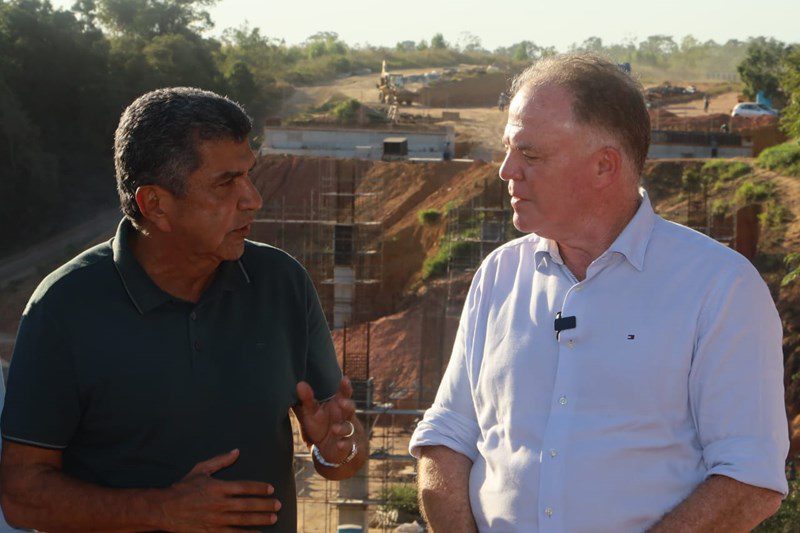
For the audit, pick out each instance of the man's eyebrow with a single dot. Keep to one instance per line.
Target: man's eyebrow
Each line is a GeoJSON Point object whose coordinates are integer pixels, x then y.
{"type": "Point", "coordinates": [521, 147]}
{"type": "Point", "coordinates": [234, 173]}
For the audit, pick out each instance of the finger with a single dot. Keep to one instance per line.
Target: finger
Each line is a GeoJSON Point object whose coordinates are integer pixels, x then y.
{"type": "Point", "coordinates": [345, 429]}
{"type": "Point", "coordinates": [348, 408]}
{"type": "Point", "coordinates": [247, 488]}
{"type": "Point", "coordinates": [250, 519]}
{"type": "Point", "coordinates": [216, 464]}
{"type": "Point", "coordinates": [345, 387]}
{"type": "Point", "coordinates": [253, 505]}
{"type": "Point", "coordinates": [305, 395]}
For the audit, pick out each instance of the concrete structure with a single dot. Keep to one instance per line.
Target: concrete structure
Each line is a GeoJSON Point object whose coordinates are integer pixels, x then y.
{"type": "Point", "coordinates": [330, 141]}
{"type": "Point", "coordinates": [688, 144]}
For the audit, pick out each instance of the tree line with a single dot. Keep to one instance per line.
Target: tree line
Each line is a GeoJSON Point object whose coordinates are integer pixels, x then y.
{"type": "Point", "coordinates": [66, 75]}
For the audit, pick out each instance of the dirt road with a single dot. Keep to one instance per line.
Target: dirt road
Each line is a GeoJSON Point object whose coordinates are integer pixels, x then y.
{"type": "Point", "coordinates": [25, 263]}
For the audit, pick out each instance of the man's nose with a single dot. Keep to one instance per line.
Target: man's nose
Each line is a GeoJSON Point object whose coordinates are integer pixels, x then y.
{"type": "Point", "coordinates": [509, 170]}
{"type": "Point", "coordinates": [251, 198]}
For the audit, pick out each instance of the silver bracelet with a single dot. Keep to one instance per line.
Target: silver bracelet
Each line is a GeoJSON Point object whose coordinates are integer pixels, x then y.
{"type": "Point", "coordinates": [321, 460]}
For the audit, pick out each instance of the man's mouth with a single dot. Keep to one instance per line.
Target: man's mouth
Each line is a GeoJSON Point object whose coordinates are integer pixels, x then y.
{"type": "Point", "coordinates": [244, 230]}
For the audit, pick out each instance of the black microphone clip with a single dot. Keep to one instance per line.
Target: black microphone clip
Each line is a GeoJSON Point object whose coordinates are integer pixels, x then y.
{"type": "Point", "coordinates": [562, 323]}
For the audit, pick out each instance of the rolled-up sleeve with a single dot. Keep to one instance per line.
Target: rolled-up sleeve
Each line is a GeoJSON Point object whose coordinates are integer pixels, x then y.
{"type": "Point", "coordinates": [736, 384]}
{"type": "Point", "coordinates": [451, 421]}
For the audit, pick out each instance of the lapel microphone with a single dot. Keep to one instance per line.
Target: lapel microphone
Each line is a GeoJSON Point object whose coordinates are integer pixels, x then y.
{"type": "Point", "coordinates": [562, 323]}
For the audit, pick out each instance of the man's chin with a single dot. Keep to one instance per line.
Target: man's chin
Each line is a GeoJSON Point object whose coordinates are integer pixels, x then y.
{"type": "Point", "coordinates": [523, 224]}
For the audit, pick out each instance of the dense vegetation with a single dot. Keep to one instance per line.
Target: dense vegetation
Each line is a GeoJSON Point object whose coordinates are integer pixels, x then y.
{"type": "Point", "coordinates": [65, 76]}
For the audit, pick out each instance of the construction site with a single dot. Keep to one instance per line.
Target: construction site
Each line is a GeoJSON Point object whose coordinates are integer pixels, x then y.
{"type": "Point", "coordinates": [392, 228]}
{"type": "Point", "coordinates": [393, 209]}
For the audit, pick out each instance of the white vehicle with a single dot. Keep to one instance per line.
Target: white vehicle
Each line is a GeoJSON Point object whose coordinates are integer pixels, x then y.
{"type": "Point", "coordinates": [752, 109]}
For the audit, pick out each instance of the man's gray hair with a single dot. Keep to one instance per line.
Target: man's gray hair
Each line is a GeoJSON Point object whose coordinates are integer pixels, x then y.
{"type": "Point", "coordinates": [603, 96]}
{"type": "Point", "coordinates": [156, 142]}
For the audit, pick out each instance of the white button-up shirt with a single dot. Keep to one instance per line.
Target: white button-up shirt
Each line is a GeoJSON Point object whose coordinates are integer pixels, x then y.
{"type": "Point", "coordinates": [673, 373]}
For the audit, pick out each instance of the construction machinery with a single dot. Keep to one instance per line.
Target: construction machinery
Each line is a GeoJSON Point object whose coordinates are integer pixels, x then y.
{"type": "Point", "coordinates": [391, 89]}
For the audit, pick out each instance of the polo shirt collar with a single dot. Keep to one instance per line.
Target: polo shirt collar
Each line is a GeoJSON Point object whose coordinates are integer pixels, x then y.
{"type": "Point", "coordinates": [142, 290]}
{"type": "Point", "coordinates": [631, 243]}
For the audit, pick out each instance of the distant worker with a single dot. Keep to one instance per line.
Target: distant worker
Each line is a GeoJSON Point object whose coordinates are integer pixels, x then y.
{"type": "Point", "coordinates": [706, 101]}
{"type": "Point", "coordinates": [724, 128]}
{"type": "Point", "coordinates": [502, 101]}
{"type": "Point", "coordinates": [153, 375]}
{"type": "Point", "coordinates": [612, 371]}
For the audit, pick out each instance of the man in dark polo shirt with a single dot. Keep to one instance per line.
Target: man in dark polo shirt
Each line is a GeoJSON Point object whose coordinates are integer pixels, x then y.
{"type": "Point", "coordinates": [153, 375]}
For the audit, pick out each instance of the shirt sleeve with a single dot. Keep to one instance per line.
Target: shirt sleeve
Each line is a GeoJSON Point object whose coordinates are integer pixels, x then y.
{"type": "Point", "coordinates": [736, 384]}
{"type": "Point", "coordinates": [322, 369]}
{"type": "Point", "coordinates": [42, 406]}
{"type": "Point", "coordinates": [451, 421]}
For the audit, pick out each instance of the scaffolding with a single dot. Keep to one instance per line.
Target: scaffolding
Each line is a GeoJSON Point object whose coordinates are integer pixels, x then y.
{"type": "Point", "coordinates": [334, 236]}
{"type": "Point", "coordinates": [335, 232]}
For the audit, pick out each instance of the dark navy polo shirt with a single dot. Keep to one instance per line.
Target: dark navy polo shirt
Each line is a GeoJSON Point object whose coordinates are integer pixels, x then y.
{"type": "Point", "coordinates": [137, 386]}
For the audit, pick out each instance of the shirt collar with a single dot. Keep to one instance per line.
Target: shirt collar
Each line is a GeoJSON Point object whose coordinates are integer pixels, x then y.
{"type": "Point", "coordinates": [143, 291]}
{"type": "Point", "coordinates": [631, 243]}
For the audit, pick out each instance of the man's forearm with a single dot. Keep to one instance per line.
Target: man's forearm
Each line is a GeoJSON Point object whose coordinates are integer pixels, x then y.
{"type": "Point", "coordinates": [443, 479]}
{"type": "Point", "coordinates": [50, 500]}
{"type": "Point", "coordinates": [720, 504]}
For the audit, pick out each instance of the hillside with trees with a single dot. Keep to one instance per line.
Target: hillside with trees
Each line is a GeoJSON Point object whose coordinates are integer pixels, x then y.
{"type": "Point", "coordinates": [66, 75]}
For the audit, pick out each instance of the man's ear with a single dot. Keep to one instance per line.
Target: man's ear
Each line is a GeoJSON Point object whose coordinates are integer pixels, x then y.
{"type": "Point", "coordinates": [156, 205]}
{"type": "Point", "coordinates": [608, 166]}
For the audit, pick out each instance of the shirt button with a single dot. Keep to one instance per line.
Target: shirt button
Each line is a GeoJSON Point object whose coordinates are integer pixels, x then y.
{"type": "Point", "coordinates": [563, 400]}
{"type": "Point", "coordinates": [553, 453]}
{"type": "Point", "coordinates": [193, 315]}
{"type": "Point", "coordinates": [571, 343]}
{"type": "Point", "coordinates": [548, 511]}
{"type": "Point", "coordinates": [197, 345]}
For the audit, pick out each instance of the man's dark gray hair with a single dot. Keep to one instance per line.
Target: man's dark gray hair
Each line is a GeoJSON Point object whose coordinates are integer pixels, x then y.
{"type": "Point", "coordinates": [603, 96]}
{"type": "Point", "coordinates": [156, 142]}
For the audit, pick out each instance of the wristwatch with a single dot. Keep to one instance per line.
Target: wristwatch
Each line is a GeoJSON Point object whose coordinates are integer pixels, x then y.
{"type": "Point", "coordinates": [321, 460]}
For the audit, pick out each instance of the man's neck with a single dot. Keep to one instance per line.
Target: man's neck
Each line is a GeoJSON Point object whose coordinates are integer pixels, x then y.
{"type": "Point", "coordinates": [173, 270]}
{"type": "Point", "coordinates": [598, 234]}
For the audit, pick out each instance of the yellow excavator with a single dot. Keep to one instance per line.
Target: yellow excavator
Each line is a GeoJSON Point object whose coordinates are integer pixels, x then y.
{"type": "Point", "coordinates": [391, 89]}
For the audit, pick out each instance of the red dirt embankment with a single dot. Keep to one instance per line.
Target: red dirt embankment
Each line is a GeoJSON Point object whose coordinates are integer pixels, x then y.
{"type": "Point", "coordinates": [480, 90]}
{"type": "Point", "coordinates": [412, 330]}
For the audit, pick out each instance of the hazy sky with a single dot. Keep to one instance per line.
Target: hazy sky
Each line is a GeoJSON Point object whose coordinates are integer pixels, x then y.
{"type": "Point", "coordinates": [503, 22]}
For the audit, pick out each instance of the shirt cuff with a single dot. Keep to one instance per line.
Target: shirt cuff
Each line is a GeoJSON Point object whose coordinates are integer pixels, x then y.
{"type": "Point", "coordinates": [755, 461]}
{"type": "Point", "coordinates": [443, 427]}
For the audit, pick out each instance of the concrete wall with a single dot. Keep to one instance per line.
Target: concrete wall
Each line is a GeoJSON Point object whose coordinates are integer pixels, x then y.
{"type": "Point", "coordinates": [354, 143]}
{"type": "Point", "coordinates": [681, 151]}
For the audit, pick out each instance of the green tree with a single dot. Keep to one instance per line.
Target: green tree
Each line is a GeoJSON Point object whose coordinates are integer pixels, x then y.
{"type": "Point", "coordinates": [438, 42]}
{"type": "Point", "coordinates": [790, 86]}
{"type": "Point", "coordinates": [182, 60]}
{"type": "Point", "coordinates": [761, 67]}
{"type": "Point", "coordinates": [151, 18]}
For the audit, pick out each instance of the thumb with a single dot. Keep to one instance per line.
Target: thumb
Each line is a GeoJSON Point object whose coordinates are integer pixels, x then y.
{"type": "Point", "coordinates": [216, 464]}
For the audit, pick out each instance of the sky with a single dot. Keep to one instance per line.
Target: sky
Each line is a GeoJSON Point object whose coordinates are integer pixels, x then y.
{"type": "Point", "coordinates": [497, 23]}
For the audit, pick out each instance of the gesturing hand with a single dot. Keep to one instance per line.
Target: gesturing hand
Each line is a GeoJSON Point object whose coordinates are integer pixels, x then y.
{"type": "Point", "coordinates": [327, 424]}
{"type": "Point", "coordinates": [199, 502]}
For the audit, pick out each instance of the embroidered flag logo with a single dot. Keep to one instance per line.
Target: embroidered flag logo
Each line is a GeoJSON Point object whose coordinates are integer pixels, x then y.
{"type": "Point", "coordinates": [631, 337]}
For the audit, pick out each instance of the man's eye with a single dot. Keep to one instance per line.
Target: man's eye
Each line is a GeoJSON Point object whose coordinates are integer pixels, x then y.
{"type": "Point", "coordinates": [529, 157]}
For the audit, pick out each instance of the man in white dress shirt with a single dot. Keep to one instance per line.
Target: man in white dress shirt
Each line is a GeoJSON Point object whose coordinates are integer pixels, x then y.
{"type": "Point", "coordinates": [659, 403]}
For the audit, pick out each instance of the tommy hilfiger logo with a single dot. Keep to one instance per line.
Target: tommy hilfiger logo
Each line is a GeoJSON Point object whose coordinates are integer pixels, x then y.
{"type": "Point", "coordinates": [631, 337]}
